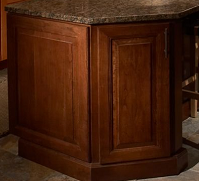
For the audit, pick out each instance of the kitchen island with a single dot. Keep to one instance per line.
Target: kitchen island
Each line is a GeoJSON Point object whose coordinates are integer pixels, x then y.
{"type": "Point", "coordinates": [95, 86]}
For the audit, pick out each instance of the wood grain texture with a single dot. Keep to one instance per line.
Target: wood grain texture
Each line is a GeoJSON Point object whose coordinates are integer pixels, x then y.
{"type": "Point", "coordinates": [133, 84]}
{"type": "Point", "coordinates": [52, 86]}
{"type": "Point", "coordinates": [176, 85]}
{"type": "Point", "coordinates": [132, 92]}
{"type": "Point", "coordinates": [96, 172]}
{"type": "Point", "coordinates": [94, 95]}
{"type": "Point", "coordinates": [3, 31]}
{"type": "Point", "coordinates": [96, 102]}
{"type": "Point", "coordinates": [3, 23]}
{"type": "Point", "coordinates": [55, 160]}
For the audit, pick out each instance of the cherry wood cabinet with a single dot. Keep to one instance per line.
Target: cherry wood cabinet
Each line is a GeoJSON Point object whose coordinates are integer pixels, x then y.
{"type": "Point", "coordinates": [51, 69]}
{"type": "Point", "coordinates": [97, 102]}
{"type": "Point", "coordinates": [3, 22]}
{"type": "Point", "coordinates": [134, 82]}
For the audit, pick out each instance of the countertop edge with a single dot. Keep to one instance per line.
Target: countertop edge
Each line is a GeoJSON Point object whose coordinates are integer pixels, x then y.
{"type": "Point", "coordinates": [104, 20]}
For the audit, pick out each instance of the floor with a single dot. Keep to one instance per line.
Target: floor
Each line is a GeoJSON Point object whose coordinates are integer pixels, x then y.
{"type": "Point", "coordinates": [15, 168]}
{"type": "Point", "coordinates": [191, 129]}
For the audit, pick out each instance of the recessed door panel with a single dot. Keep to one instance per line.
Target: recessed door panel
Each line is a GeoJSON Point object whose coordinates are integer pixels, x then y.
{"type": "Point", "coordinates": [52, 86]}
{"type": "Point", "coordinates": [133, 93]}
{"type": "Point", "coordinates": [132, 89]}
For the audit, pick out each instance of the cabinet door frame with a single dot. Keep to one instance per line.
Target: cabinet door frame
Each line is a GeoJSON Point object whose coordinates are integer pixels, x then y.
{"type": "Point", "coordinates": [161, 146]}
{"type": "Point", "coordinates": [62, 32]}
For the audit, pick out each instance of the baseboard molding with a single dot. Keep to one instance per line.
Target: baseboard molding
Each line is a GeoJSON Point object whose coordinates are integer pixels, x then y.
{"type": "Point", "coordinates": [95, 172]}
{"type": "Point", "coordinates": [3, 64]}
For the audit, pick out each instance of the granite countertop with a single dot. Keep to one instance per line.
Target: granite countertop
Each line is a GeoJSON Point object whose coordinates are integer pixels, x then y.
{"type": "Point", "coordinates": [106, 11]}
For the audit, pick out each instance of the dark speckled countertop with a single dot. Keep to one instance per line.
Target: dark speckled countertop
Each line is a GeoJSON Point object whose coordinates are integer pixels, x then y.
{"type": "Point", "coordinates": [106, 11]}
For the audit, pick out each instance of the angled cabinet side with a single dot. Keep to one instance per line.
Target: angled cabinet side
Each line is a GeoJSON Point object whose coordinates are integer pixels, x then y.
{"type": "Point", "coordinates": [134, 110]}
{"type": "Point", "coordinates": [48, 71]}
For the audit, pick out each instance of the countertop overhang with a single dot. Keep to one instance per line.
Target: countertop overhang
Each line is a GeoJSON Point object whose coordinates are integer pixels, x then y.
{"type": "Point", "coordinates": [106, 11]}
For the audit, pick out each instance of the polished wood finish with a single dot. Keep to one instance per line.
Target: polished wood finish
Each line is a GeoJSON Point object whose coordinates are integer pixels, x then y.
{"type": "Point", "coordinates": [111, 172]}
{"type": "Point", "coordinates": [131, 62]}
{"type": "Point", "coordinates": [55, 160]}
{"type": "Point", "coordinates": [96, 102]}
{"type": "Point", "coordinates": [3, 31]}
{"type": "Point", "coordinates": [52, 85]}
{"type": "Point", "coordinates": [176, 52]}
{"type": "Point", "coordinates": [3, 38]}
{"type": "Point", "coordinates": [94, 95]}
